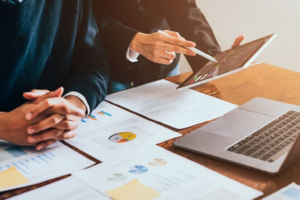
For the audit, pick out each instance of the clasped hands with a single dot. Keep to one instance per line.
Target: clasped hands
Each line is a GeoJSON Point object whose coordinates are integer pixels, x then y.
{"type": "Point", "coordinates": [44, 119]}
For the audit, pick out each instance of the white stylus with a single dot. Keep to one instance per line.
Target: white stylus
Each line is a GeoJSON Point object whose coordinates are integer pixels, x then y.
{"type": "Point", "coordinates": [197, 51]}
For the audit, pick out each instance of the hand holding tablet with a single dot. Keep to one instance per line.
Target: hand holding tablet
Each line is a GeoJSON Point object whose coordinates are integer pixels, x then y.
{"type": "Point", "coordinates": [229, 61]}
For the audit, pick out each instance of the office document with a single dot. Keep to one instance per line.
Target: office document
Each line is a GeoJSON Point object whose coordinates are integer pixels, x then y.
{"type": "Point", "coordinates": [290, 192]}
{"type": "Point", "coordinates": [111, 131]}
{"type": "Point", "coordinates": [160, 101]}
{"type": "Point", "coordinates": [67, 189]}
{"type": "Point", "coordinates": [23, 166]}
{"type": "Point", "coordinates": [155, 173]}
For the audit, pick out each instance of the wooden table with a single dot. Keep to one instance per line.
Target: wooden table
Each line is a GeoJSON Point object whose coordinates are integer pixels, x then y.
{"type": "Point", "coordinates": [261, 80]}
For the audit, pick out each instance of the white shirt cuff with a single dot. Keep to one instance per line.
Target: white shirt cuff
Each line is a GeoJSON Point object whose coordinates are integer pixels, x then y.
{"type": "Point", "coordinates": [132, 55]}
{"type": "Point", "coordinates": [82, 98]}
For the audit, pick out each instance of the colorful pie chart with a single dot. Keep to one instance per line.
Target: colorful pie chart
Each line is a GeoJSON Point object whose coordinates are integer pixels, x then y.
{"type": "Point", "coordinates": [138, 169]}
{"type": "Point", "coordinates": [116, 177]}
{"type": "Point", "coordinates": [157, 162]}
{"type": "Point", "coordinates": [122, 137]}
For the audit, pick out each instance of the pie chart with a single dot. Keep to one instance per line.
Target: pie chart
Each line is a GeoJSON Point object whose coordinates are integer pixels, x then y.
{"type": "Point", "coordinates": [122, 137]}
{"type": "Point", "coordinates": [138, 169]}
{"type": "Point", "coordinates": [157, 162]}
{"type": "Point", "coordinates": [116, 177]}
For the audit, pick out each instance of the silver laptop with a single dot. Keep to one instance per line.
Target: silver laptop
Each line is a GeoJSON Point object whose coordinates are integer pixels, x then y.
{"type": "Point", "coordinates": [261, 134]}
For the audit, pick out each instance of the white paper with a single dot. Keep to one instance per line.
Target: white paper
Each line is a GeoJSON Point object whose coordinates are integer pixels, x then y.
{"type": "Point", "coordinates": [290, 192]}
{"type": "Point", "coordinates": [169, 175]}
{"type": "Point", "coordinates": [100, 138]}
{"type": "Point", "coordinates": [161, 102]}
{"type": "Point", "coordinates": [38, 166]}
{"type": "Point", "coordinates": [67, 189]}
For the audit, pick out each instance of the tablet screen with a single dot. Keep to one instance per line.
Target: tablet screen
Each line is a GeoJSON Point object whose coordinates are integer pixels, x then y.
{"type": "Point", "coordinates": [229, 60]}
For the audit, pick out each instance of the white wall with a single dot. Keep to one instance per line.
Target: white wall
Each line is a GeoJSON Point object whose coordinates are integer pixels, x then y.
{"type": "Point", "coordinates": [257, 18]}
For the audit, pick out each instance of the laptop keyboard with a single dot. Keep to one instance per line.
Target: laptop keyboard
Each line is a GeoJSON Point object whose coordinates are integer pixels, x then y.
{"type": "Point", "coordinates": [272, 140]}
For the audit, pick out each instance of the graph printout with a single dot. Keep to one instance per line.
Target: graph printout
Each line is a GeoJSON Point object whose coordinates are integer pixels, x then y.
{"type": "Point", "coordinates": [110, 131]}
{"type": "Point", "coordinates": [22, 166]}
{"type": "Point", "coordinates": [162, 102]}
{"type": "Point", "coordinates": [290, 192]}
{"type": "Point", "coordinates": [67, 189]}
{"type": "Point", "coordinates": [155, 173]}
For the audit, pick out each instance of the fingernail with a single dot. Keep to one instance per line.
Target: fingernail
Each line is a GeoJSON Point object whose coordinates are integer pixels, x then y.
{"type": "Point", "coordinates": [28, 116]}
{"type": "Point", "coordinates": [81, 112]}
{"type": "Point", "coordinates": [192, 53]}
{"type": "Point", "coordinates": [72, 135]}
{"type": "Point", "coordinates": [39, 148]}
{"type": "Point", "coordinates": [31, 139]}
{"type": "Point", "coordinates": [192, 44]}
{"type": "Point", "coordinates": [30, 131]}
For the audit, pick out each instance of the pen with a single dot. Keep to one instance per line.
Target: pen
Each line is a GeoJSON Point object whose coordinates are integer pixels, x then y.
{"type": "Point", "coordinates": [197, 51]}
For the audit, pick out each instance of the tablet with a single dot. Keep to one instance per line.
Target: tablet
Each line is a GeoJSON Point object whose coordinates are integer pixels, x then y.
{"type": "Point", "coordinates": [229, 62]}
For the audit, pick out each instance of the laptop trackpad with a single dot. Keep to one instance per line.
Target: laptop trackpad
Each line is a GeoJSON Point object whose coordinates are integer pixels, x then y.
{"type": "Point", "coordinates": [237, 124]}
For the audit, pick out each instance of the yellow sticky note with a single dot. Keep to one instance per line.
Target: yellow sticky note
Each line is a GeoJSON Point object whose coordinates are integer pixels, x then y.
{"type": "Point", "coordinates": [133, 190]}
{"type": "Point", "coordinates": [11, 177]}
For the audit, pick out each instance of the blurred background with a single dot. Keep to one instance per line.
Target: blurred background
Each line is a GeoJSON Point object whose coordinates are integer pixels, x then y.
{"type": "Point", "coordinates": [255, 19]}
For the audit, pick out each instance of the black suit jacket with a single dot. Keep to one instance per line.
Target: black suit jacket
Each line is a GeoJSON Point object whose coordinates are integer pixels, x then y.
{"type": "Point", "coordinates": [120, 20]}
{"type": "Point", "coordinates": [48, 44]}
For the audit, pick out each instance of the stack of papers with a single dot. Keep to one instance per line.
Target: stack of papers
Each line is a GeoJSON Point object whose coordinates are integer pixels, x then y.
{"type": "Point", "coordinates": [155, 173]}
{"type": "Point", "coordinates": [23, 166]}
{"type": "Point", "coordinates": [111, 131]}
{"type": "Point", "coordinates": [66, 189]}
{"type": "Point", "coordinates": [162, 102]}
{"type": "Point", "coordinates": [134, 167]}
{"type": "Point", "coordinates": [290, 192]}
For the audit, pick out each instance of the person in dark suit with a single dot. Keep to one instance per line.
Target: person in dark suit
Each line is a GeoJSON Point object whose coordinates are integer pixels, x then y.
{"type": "Point", "coordinates": [129, 27]}
{"type": "Point", "coordinates": [46, 45]}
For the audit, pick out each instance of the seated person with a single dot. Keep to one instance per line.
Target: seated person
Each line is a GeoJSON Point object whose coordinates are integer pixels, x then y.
{"type": "Point", "coordinates": [46, 45]}
{"type": "Point", "coordinates": [129, 27]}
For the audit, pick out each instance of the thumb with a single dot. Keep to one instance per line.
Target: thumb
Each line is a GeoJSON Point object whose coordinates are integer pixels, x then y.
{"type": "Point", "coordinates": [42, 97]}
{"type": "Point", "coordinates": [238, 41]}
{"type": "Point", "coordinates": [58, 92]}
{"type": "Point", "coordinates": [34, 94]}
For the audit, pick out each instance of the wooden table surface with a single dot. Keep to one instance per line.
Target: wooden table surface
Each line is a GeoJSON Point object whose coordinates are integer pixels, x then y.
{"type": "Point", "coordinates": [261, 80]}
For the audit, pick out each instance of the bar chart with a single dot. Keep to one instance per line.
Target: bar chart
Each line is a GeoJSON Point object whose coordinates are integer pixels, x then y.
{"type": "Point", "coordinates": [93, 116]}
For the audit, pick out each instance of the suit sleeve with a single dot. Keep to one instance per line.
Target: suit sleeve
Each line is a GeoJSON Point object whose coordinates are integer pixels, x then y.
{"type": "Point", "coordinates": [185, 17]}
{"type": "Point", "coordinates": [117, 37]}
{"type": "Point", "coordinates": [89, 73]}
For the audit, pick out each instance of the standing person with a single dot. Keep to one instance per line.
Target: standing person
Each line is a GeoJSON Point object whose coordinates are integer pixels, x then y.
{"type": "Point", "coordinates": [138, 54]}
{"type": "Point", "coordinates": [45, 45]}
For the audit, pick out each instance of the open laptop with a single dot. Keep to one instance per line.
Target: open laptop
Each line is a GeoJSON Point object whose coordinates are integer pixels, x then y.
{"type": "Point", "coordinates": [229, 61]}
{"type": "Point", "coordinates": [261, 134]}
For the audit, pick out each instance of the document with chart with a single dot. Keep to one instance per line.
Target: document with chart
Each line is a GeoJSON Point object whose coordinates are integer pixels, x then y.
{"type": "Point", "coordinates": [161, 102]}
{"type": "Point", "coordinates": [23, 166]}
{"type": "Point", "coordinates": [67, 189]}
{"type": "Point", "coordinates": [290, 192]}
{"type": "Point", "coordinates": [110, 131]}
{"type": "Point", "coordinates": [155, 173]}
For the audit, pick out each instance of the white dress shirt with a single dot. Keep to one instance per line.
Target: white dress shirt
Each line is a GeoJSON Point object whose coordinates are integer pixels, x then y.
{"type": "Point", "coordinates": [82, 98]}
{"type": "Point", "coordinates": [132, 55]}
